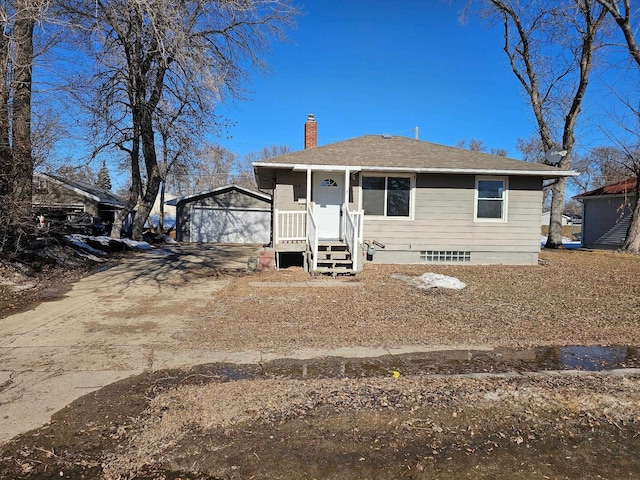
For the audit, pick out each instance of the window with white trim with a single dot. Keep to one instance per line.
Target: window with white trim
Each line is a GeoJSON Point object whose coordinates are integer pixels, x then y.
{"type": "Point", "coordinates": [491, 199]}
{"type": "Point", "coordinates": [387, 196]}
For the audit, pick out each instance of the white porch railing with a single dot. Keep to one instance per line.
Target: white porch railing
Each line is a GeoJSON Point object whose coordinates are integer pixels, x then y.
{"type": "Point", "coordinates": [352, 233]}
{"type": "Point", "coordinates": [312, 237]}
{"type": "Point", "coordinates": [289, 225]}
{"type": "Point", "coordinates": [301, 226]}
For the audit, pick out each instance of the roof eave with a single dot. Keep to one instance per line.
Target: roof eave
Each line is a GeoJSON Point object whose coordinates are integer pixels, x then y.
{"type": "Point", "coordinates": [260, 195]}
{"type": "Point", "coordinates": [457, 171]}
{"type": "Point", "coordinates": [604, 195]}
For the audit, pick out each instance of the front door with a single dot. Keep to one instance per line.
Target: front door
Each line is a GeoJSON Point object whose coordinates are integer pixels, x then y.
{"type": "Point", "coordinates": [328, 190]}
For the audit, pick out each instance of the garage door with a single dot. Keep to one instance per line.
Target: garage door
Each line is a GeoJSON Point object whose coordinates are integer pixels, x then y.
{"type": "Point", "coordinates": [229, 225]}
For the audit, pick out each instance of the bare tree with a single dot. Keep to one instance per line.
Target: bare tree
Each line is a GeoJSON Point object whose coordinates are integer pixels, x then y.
{"type": "Point", "coordinates": [16, 161]}
{"type": "Point", "coordinates": [82, 173]}
{"type": "Point", "coordinates": [179, 130]}
{"type": "Point", "coordinates": [533, 151]}
{"type": "Point", "coordinates": [157, 53]}
{"type": "Point", "coordinates": [244, 176]}
{"type": "Point", "coordinates": [602, 166]}
{"type": "Point", "coordinates": [624, 20]}
{"type": "Point", "coordinates": [478, 146]}
{"type": "Point", "coordinates": [550, 47]}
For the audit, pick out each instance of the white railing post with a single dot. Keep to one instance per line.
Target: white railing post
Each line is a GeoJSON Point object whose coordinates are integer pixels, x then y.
{"type": "Point", "coordinates": [312, 237]}
{"type": "Point", "coordinates": [276, 229]}
{"type": "Point", "coordinates": [351, 235]}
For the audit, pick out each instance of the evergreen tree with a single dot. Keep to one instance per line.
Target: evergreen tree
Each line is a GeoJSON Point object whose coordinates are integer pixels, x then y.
{"type": "Point", "coordinates": [104, 180]}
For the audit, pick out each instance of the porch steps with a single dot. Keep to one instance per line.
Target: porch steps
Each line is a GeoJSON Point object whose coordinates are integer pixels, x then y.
{"type": "Point", "coordinates": [334, 258]}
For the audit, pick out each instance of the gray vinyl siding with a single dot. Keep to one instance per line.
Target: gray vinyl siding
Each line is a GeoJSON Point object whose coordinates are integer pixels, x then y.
{"type": "Point", "coordinates": [606, 220]}
{"type": "Point", "coordinates": [291, 190]}
{"type": "Point", "coordinates": [444, 218]}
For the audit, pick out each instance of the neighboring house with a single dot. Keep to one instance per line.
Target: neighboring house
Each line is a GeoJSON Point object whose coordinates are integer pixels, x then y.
{"type": "Point", "coordinates": [229, 214]}
{"type": "Point", "coordinates": [397, 200]}
{"type": "Point", "coordinates": [606, 214]}
{"type": "Point", "coordinates": [545, 218]}
{"type": "Point", "coordinates": [71, 201]}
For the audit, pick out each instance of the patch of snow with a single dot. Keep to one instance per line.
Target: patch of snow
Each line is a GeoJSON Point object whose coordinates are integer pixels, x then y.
{"type": "Point", "coordinates": [135, 245]}
{"type": "Point", "coordinates": [92, 257]}
{"type": "Point", "coordinates": [102, 240]}
{"type": "Point", "coordinates": [566, 242]}
{"type": "Point", "coordinates": [168, 239]}
{"type": "Point", "coordinates": [78, 242]}
{"type": "Point", "coordinates": [432, 280]}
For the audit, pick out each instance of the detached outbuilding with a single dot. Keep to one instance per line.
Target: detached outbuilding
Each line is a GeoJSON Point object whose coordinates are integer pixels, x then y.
{"type": "Point", "coordinates": [606, 214]}
{"type": "Point", "coordinates": [229, 214]}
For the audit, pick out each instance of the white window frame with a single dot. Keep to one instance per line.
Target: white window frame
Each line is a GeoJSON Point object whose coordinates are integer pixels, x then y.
{"type": "Point", "coordinates": [505, 202]}
{"type": "Point", "coordinates": [412, 188]}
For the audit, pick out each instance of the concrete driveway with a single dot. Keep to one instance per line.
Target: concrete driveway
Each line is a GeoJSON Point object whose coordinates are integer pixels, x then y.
{"type": "Point", "coordinates": [100, 333]}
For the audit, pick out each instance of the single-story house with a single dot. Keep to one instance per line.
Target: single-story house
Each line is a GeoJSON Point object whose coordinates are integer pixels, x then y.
{"type": "Point", "coordinates": [59, 199]}
{"type": "Point", "coordinates": [392, 199]}
{"type": "Point", "coordinates": [229, 214]}
{"type": "Point", "coordinates": [606, 214]}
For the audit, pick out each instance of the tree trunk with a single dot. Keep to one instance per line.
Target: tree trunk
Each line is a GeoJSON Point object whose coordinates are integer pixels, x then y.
{"type": "Point", "coordinates": [554, 238]}
{"type": "Point", "coordinates": [161, 216]}
{"type": "Point", "coordinates": [632, 242]}
{"type": "Point", "coordinates": [15, 130]}
{"type": "Point", "coordinates": [6, 158]}
{"type": "Point", "coordinates": [21, 125]}
{"type": "Point", "coordinates": [147, 139]}
{"type": "Point", "coordinates": [134, 190]}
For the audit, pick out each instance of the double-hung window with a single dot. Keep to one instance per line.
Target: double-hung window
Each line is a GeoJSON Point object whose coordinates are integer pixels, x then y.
{"type": "Point", "coordinates": [491, 199]}
{"type": "Point", "coordinates": [387, 196]}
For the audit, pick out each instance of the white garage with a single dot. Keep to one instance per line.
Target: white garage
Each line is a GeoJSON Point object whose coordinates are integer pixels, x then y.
{"type": "Point", "coordinates": [230, 214]}
{"type": "Point", "coordinates": [230, 225]}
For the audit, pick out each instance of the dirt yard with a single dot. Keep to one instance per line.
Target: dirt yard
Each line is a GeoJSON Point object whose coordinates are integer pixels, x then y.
{"type": "Point", "coordinates": [475, 412]}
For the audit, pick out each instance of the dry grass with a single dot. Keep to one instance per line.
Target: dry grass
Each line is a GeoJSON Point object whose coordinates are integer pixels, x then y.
{"type": "Point", "coordinates": [573, 297]}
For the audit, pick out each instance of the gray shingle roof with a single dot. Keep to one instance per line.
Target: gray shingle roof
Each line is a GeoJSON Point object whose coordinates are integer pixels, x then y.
{"type": "Point", "coordinates": [99, 194]}
{"type": "Point", "coordinates": [384, 152]}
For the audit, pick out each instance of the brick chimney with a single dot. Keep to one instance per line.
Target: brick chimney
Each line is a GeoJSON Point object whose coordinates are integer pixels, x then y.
{"type": "Point", "coordinates": [310, 132]}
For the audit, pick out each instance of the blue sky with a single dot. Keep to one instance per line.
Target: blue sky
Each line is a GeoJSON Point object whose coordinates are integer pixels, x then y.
{"type": "Point", "coordinates": [385, 67]}
{"type": "Point", "coordinates": [373, 67]}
